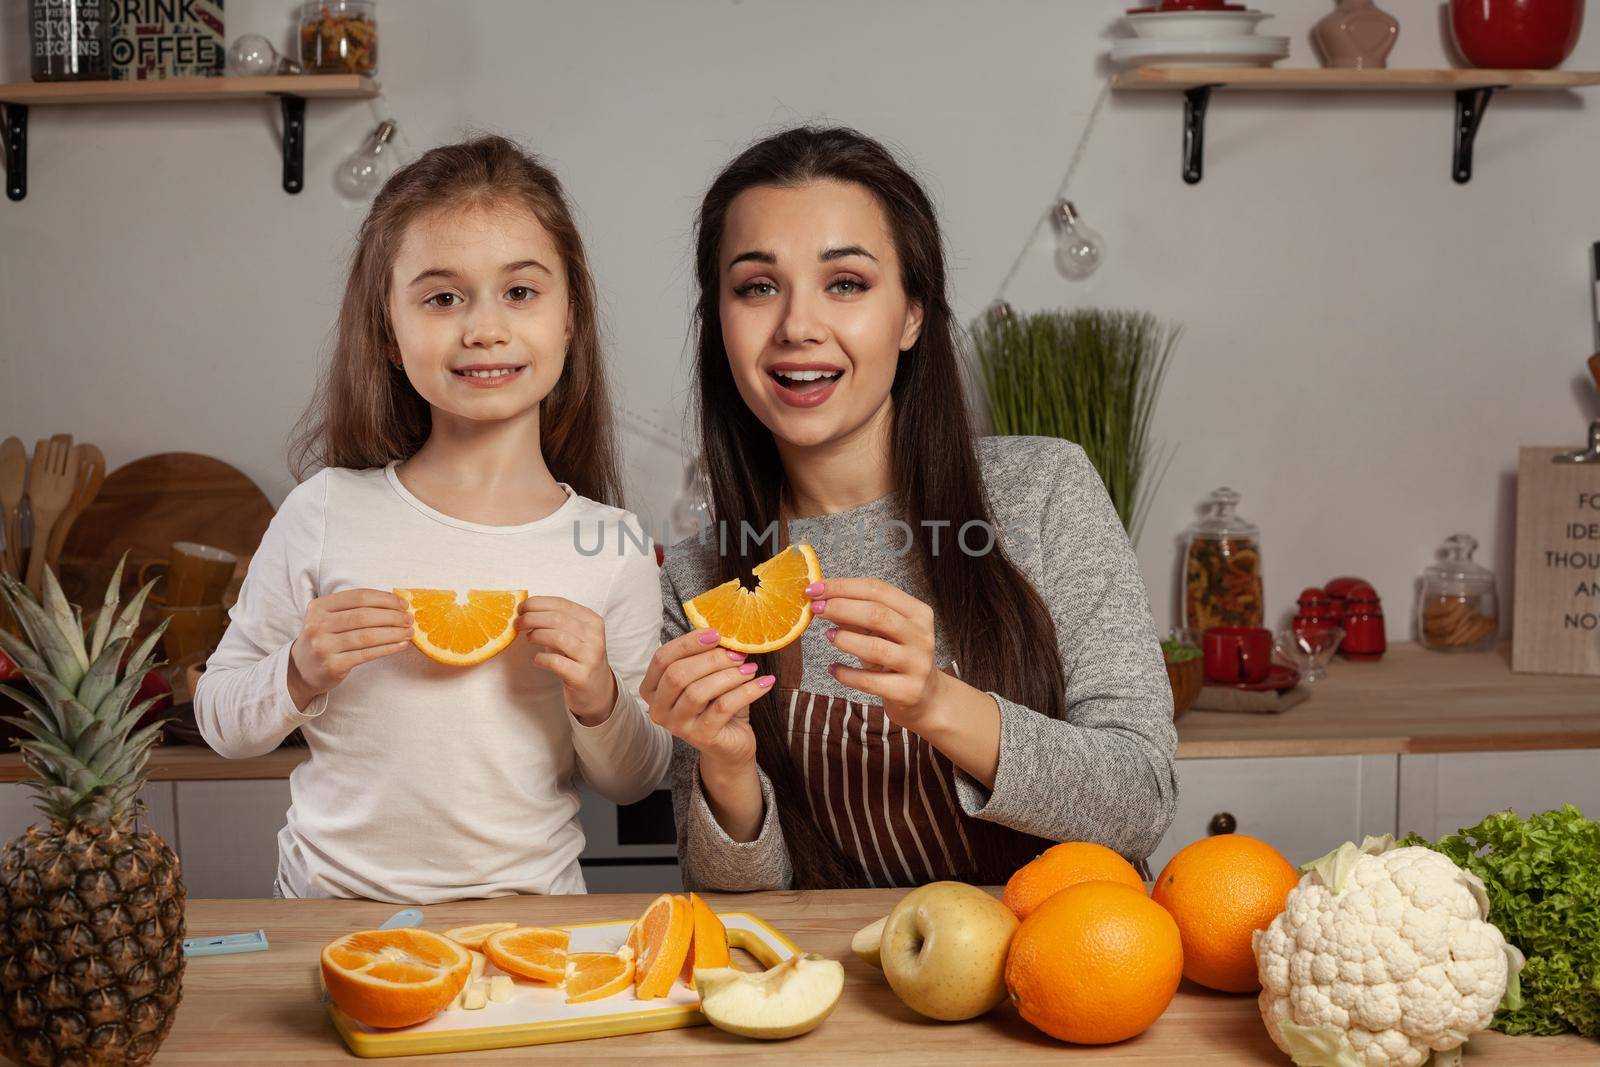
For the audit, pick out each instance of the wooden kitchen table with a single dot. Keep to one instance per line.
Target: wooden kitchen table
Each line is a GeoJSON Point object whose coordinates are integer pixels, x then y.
{"type": "Point", "coordinates": [263, 1007]}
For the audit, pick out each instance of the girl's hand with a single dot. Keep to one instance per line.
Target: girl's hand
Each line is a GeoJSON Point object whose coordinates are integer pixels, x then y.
{"type": "Point", "coordinates": [702, 693]}
{"type": "Point", "coordinates": [891, 633]}
{"type": "Point", "coordinates": [574, 642]}
{"type": "Point", "coordinates": [342, 631]}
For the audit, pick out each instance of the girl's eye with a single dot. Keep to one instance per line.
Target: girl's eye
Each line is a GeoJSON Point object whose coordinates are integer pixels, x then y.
{"type": "Point", "coordinates": [848, 286]}
{"type": "Point", "coordinates": [519, 293]}
{"type": "Point", "coordinates": [756, 289]}
{"type": "Point", "coordinates": [443, 300]}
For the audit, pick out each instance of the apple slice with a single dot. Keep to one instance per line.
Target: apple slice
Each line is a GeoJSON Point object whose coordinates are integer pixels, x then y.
{"type": "Point", "coordinates": [786, 1001]}
{"type": "Point", "coordinates": [866, 942]}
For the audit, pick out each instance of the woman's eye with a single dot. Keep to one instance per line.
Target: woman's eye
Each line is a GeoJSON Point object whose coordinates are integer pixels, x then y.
{"type": "Point", "coordinates": [847, 286]}
{"type": "Point", "coordinates": [443, 300]}
{"type": "Point", "coordinates": [519, 293]}
{"type": "Point", "coordinates": [756, 289]}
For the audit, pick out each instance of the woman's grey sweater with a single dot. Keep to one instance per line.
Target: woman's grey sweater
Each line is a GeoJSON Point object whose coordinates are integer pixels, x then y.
{"type": "Point", "coordinates": [1103, 774]}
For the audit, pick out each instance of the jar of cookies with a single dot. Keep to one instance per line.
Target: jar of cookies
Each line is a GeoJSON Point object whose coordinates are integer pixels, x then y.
{"type": "Point", "coordinates": [1456, 606]}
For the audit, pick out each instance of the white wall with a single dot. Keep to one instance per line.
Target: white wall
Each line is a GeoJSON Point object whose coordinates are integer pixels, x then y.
{"type": "Point", "coordinates": [1366, 346]}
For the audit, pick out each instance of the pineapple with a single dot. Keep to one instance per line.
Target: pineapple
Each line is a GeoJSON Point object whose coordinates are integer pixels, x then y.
{"type": "Point", "coordinates": [91, 907]}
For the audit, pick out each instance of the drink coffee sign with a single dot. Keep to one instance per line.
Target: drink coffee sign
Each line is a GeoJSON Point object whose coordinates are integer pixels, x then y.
{"type": "Point", "coordinates": [1556, 616]}
{"type": "Point", "coordinates": [166, 39]}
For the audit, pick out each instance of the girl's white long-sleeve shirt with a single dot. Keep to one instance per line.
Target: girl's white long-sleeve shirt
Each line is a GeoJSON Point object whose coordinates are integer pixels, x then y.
{"type": "Point", "coordinates": [428, 783]}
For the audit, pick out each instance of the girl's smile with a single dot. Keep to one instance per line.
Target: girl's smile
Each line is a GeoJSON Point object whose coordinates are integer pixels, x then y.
{"type": "Point", "coordinates": [804, 385]}
{"type": "Point", "coordinates": [488, 375]}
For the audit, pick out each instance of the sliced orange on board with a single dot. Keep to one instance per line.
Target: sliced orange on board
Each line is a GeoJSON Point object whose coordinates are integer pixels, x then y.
{"type": "Point", "coordinates": [709, 947]}
{"type": "Point", "coordinates": [462, 631]}
{"type": "Point", "coordinates": [665, 932]}
{"type": "Point", "coordinates": [473, 936]}
{"type": "Point", "coordinates": [597, 975]}
{"type": "Point", "coordinates": [768, 617]}
{"type": "Point", "coordinates": [391, 978]}
{"type": "Point", "coordinates": [533, 952]}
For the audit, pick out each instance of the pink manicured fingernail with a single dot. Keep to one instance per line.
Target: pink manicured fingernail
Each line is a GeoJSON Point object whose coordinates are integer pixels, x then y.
{"type": "Point", "coordinates": [814, 589]}
{"type": "Point", "coordinates": [766, 680]}
{"type": "Point", "coordinates": [749, 668]}
{"type": "Point", "coordinates": [832, 632]}
{"type": "Point", "coordinates": [709, 637]}
{"type": "Point", "coordinates": [818, 607]}
{"type": "Point", "coordinates": [833, 670]}
{"type": "Point", "coordinates": [737, 657]}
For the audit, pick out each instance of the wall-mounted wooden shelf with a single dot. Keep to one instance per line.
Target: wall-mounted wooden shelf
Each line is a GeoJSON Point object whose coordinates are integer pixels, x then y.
{"type": "Point", "coordinates": [1472, 88]}
{"type": "Point", "coordinates": [292, 92]}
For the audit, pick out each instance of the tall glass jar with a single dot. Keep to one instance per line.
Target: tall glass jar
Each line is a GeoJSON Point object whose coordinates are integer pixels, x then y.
{"type": "Point", "coordinates": [69, 40]}
{"type": "Point", "coordinates": [1456, 606]}
{"type": "Point", "coordinates": [339, 36]}
{"type": "Point", "coordinates": [1222, 568]}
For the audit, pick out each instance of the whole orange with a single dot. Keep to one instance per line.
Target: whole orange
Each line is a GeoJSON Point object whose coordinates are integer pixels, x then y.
{"type": "Point", "coordinates": [1095, 963]}
{"type": "Point", "coordinates": [1221, 890]}
{"type": "Point", "coordinates": [1062, 866]}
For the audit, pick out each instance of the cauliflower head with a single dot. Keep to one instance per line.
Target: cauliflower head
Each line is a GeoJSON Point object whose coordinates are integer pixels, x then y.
{"type": "Point", "coordinates": [1382, 957]}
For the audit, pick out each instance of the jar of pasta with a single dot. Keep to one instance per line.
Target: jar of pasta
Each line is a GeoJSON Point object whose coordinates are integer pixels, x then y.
{"type": "Point", "coordinates": [1222, 567]}
{"type": "Point", "coordinates": [1456, 608]}
{"type": "Point", "coordinates": [339, 36]}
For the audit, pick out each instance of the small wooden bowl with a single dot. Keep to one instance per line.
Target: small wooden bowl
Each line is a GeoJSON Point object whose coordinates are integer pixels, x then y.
{"type": "Point", "coordinates": [1186, 678]}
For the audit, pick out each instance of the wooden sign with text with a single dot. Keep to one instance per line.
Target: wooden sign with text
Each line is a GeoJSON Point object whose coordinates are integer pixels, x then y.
{"type": "Point", "coordinates": [1555, 625]}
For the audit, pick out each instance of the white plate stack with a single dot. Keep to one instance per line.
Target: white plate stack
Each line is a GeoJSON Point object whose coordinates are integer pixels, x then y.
{"type": "Point", "coordinates": [1197, 37]}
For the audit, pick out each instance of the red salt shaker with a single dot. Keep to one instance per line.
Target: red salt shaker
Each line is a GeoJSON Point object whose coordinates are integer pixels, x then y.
{"type": "Point", "coordinates": [1316, 611]}
{"type": "Point", "coordinates": [1364, 637]}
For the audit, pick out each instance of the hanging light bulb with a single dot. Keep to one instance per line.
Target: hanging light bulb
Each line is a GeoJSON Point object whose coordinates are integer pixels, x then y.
{"type": "Point", "coordinates": [1079, 250]}
{"type": "Point", "coordinates": [363, 171]}
{"type": "Point", "coordinates": [252, 56]}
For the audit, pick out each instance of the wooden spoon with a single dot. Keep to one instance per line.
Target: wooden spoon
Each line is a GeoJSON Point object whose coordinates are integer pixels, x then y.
{"type": "Point", "coordinates": [51, 483]}
{"type": "Point", "coordinates": [13, 483]}
{"type": "Point", "coordinates": [1594, 368]}
{"type": "Point", "coordinates": [90, 463]}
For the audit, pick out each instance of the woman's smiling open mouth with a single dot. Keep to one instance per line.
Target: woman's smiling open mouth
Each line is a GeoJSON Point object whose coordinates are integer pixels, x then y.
{"type": "Point", "coordinates": [488, 375]}
{"type": "Point", "coordinates": [804, 385]}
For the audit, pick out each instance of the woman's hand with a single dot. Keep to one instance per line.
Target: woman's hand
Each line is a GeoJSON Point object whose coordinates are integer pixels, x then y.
{"type": "Point", "coordinates": [340, 632]}
{"type": "Point", "coordinates": [573, 643]}
{"type": "Point", "coordinates": [702, 693]}
{"type": "Point", "coordinates": [891, 633]}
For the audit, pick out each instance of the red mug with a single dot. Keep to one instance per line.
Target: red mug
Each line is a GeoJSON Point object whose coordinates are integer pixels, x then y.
{"type": "Point", "coordinates": [1235, 654]}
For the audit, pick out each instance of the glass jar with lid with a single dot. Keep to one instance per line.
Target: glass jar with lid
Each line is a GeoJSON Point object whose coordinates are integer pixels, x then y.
{"type": "Point", "coordinates": [1222, 567]}
{"type": "Point", "coordinates": [1456, 606]}
{"type": "Point", "coordinates": [339, 36]}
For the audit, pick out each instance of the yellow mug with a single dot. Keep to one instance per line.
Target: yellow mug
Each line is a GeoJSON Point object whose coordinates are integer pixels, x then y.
{"type": "Point", "coordinates": [195, 574]}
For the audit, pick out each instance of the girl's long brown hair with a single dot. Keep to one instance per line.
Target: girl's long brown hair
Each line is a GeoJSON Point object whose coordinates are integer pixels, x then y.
{"type": "Point", "coordinates": [365, 413]}
{"type": "Point", "coordinates": [997, 625]}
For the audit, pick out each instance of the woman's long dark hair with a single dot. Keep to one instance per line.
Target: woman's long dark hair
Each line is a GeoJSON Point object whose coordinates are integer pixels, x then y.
{"type": "Point", "coordinates": [996, 624]}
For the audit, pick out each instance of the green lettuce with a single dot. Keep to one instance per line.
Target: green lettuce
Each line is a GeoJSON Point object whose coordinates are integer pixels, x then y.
{"type": "Point", "coordinates": [1542, 875]}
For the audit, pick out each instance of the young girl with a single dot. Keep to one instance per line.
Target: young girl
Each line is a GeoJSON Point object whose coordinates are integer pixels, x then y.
{"type": "Point", "coordinates": [465, 437]}
{"type": "Point", "coordinates": [961, 701]}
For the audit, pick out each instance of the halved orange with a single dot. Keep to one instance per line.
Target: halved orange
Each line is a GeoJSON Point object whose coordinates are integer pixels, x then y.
{"type": "Point", "coordinates": [665, 931]}
{"type": "Point", "coordinates": [768, 617]}
{"type": "Point", "coordinates": [597, 975]}
{"type": "Point", "coordinates": [710, 944]}
{"type": "Point", "coordinates": [392, 978]}
{"type": "Point", "coordinates": [529, 952]}
{"type": "Point", "coordinates": [462, 631]}
{"type": "Point", "coordinates": [472, 936]}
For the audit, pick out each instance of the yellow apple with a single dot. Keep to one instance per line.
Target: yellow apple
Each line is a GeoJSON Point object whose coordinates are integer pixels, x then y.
{"type": "Point", "coordinates": [788, 1000]}
{"type": "Point", "coordinates": [865, 943]}
{"type": "Point", "coordinates": [944, 950]}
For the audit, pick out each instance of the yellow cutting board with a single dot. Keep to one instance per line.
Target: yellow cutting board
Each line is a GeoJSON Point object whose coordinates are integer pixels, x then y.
{"type": "Point", "coordinates": [537, 1015]}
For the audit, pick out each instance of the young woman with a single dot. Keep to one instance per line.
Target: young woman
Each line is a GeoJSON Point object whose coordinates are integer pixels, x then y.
{"type": "Point", "coordinates": [961, 701]}
{"type": "Point", "coordinates": [465, 439]}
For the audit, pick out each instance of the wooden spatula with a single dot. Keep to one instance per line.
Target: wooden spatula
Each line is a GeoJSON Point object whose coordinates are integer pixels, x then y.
{"type": "Point", "coordinates": [51, 483]}
{"type": "Point", "coordinates": [13, 483]}
{"type": "Point", "coordinates": [90, 463]}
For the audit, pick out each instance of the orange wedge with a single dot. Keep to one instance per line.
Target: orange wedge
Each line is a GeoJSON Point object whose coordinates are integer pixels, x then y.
{"type": "Point", "coordinates": [461, 632]}
{"type": "Point", "coordinates": [529, 952]}
{"type": "Point", "coordinates": [392, 978]}
{"type": "Point", "coordinates": [597, 975]}
{"type": "Point", "coordinates": [472, 936]}
{"type": "Point", "coordinates": [768, 617]}
{"type": "Point", "coordinates": [710, 945]}
{"type": "Point", "coordinates": [665, 932]}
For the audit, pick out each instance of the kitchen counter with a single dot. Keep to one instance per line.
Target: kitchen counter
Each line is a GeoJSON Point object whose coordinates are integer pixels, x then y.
{"type": "Point", "coordinates": [1410, 701]}
{"type": "Point", "coordinates": [263, 1008]}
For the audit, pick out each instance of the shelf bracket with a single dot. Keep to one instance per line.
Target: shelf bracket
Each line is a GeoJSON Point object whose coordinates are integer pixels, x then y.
{"type": "Point", "coordinates": [1470, 106]}
{"type": "Point", "coordinates": [14, 128]}
{"type": "Point", "coordinates": [294, 142]}
{"type": "Point", "coordinates": [1194, 131]}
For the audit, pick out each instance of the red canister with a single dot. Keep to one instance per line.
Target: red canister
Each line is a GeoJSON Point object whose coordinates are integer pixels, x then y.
{"type": "Point", "coordinates": [1364, 636]}
{"type": "Point", "coordinates": [1516, 34]}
